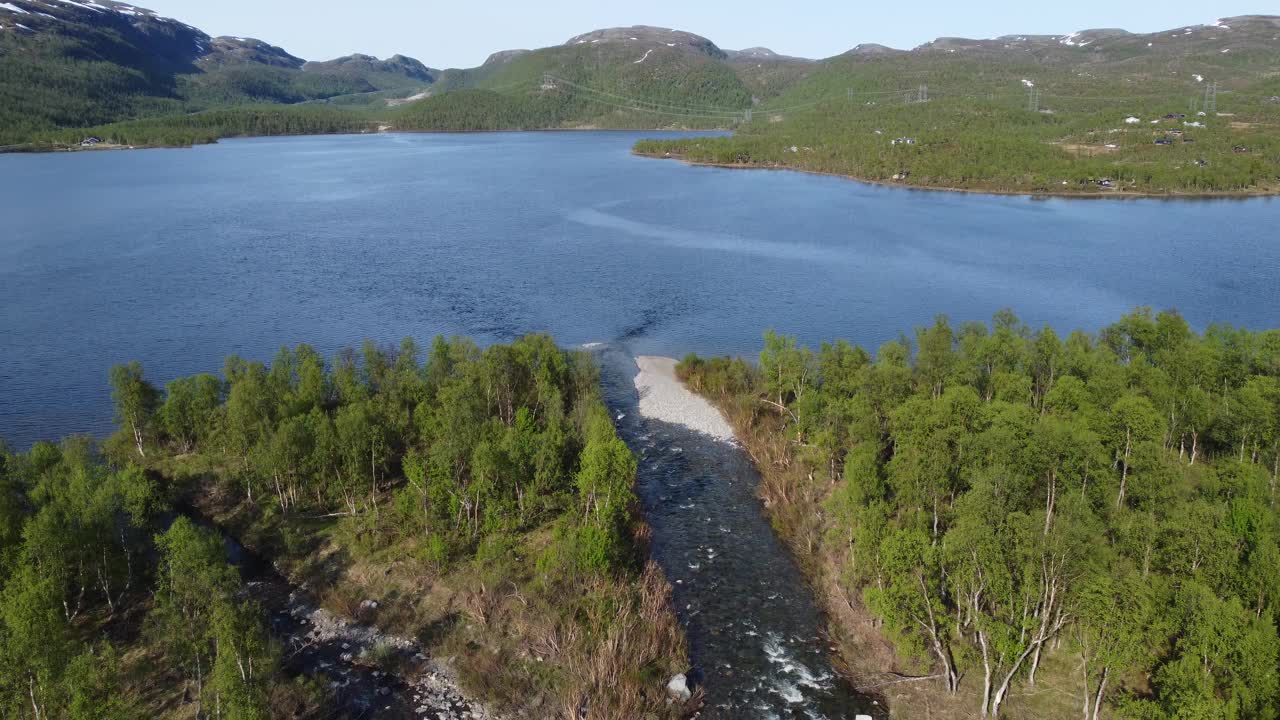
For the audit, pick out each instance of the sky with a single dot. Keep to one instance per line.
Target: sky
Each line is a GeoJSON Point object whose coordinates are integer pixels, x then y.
{"type": "Point", "coordinates": [463, 33]}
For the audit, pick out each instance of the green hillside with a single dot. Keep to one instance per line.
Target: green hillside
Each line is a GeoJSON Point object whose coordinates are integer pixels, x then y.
{"type": "Point", "coordinates": [1096, 111]}
{"type": "Point", "coordinates": [74, 65]}
{"type": "Point", "coordinates": [1032, 114]}
{"type": "Point", "coordinates": [638, 77]}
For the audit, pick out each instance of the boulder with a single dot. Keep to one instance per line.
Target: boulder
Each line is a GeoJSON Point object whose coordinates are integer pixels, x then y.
{"type": "Point", "coordinates": [678, 688]}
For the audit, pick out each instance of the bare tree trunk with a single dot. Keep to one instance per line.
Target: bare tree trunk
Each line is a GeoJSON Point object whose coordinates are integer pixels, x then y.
{"type": "Point", "coordinates": [1097, 699]}
{"type": "Point", "coordinates": [1275, 473]}
{"type": "Point", "coordinates": [1051, 499]}
{"type": "Point", "coordinates": [1046, 630]}
{"type": "Point", "coordinates": [284, 505]}
{"type": "Point", "coordinates": [939, 648]}
{"type": "Point", "coordinates": [1084, 674]}
{"type": "Point", "coordinates": [1124, 475]}
{"type": "Point", "coordinates": [986, 678]}
{"type": "Point", "coordinates": [31, 688]}
{"type": "Point", "coordinates": [137, 437]}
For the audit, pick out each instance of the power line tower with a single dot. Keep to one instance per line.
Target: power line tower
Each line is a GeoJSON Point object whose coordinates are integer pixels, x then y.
{"type": "Point", "coordinates": [1033, 98]}
{"type": "Point", "coordinates": [746, 116]}
{"type": "Point", "coordinates": [548, 82]}
{"type": "Point", "coordinates": [922, 95]}
{"type": "Point", "coordinates": [1211, 98]}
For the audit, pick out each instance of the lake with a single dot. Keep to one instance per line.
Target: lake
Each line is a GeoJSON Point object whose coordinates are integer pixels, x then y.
{"type": "Point", "coordinates": [180, 257]}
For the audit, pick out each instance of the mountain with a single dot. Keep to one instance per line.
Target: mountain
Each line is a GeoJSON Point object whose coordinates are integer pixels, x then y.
{"type": "Point", "coordinates": [65, 63]}
{"type": "Point", "coordinates": [1188, 110]}
{"type": "Point", "coordinates": [395, 71]}
{"type": "Point", "coordinates": [69, 64]}
{"type": "Point", "coordinates": [234, 50]}
{"type": "Point", "coordinates": [766, 73]}
{"type": "Point", "coordinates": [637, 76]}
{"type": "Point", "coordinates": [647, 36]}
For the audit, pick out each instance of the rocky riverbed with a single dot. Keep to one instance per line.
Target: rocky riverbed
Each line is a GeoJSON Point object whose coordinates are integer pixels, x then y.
{"type": "Point", "coordinates": [756, 635]}
{"type": "Point", "coordinates": [372, 674]}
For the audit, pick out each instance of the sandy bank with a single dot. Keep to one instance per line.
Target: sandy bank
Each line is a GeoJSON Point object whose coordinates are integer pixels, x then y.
{"type": "Point", "coordinates": [664, 398]}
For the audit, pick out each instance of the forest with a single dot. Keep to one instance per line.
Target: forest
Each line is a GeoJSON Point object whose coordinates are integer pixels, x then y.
{"type": "Point", "coordinates": [997, 145]}
{"type": "Point", "coordinates": [481, 495]}
{"type": "Point", "coordinates": [1035, 526]}
{"type": "Point", "coordinates": [209, 126]}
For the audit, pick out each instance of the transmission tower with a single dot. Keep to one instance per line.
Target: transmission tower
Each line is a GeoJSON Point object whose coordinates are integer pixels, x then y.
{"type": "Point", "coordinates": [1211, 98]}
{"type": "Point", "coordinates": [746, 116]}
{"type": "Point", "coordinates": [923, 94]}
{"type": "Point", "coordinates": [1033, 99]}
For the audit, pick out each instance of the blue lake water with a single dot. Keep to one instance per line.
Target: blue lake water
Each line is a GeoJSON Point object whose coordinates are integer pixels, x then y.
{"type": "Point", "coordinates": [178, 258]}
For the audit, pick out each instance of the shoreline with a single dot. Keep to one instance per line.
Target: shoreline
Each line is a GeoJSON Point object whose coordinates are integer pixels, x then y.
{"type": "Point", "coordinates": [1076, 195]}
{"type": "Point", "coordinates": [35, 149]}
{"type": "Point", "coordinates": [1033, 194]}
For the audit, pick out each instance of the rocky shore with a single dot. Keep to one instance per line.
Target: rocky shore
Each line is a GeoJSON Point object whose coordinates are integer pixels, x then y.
{"type": "Point", "coordinates": [664, 398]}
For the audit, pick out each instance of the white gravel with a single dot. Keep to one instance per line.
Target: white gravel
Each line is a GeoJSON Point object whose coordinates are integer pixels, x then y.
{"type": "Point", "coordinates": [664, 398]}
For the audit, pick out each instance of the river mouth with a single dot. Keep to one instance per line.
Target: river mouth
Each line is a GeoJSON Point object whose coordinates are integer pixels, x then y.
{"type": "Point", "coordinates": [755, 632]}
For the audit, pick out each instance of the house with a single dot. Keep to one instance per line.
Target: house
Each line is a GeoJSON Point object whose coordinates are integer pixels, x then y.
{"type": "Point", "coordinates": [1194, 123]}
{"type": "Point", "coordinates": [1163, 141]}
{"type": "Point", "coordinates": [1188, 140]}
{"type": "Point", "coordinates": [1175, 133]}
{"type": "Point", "coordinates": [1131, 120]}
{"type": "Point", "coordinates": [1201, 163]}
{"type": "Point", "coordinates": [90, 141]}
{"type": "Point", "coordinates": [1240, 150]}
{"type": "Point", "coordinates": [903, 141]}
{"type": "Point", "coordinates": [902, 175]}
{"type": "Point", "coordinates": [1106, 183]}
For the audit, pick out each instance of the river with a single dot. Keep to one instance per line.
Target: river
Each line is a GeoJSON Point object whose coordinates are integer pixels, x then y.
{"type": "Point", "coordinates": [177, 258]}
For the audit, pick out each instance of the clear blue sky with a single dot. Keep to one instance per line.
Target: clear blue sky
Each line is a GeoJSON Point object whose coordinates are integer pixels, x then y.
{"type": "Point", "coordinates": [461, 33]}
